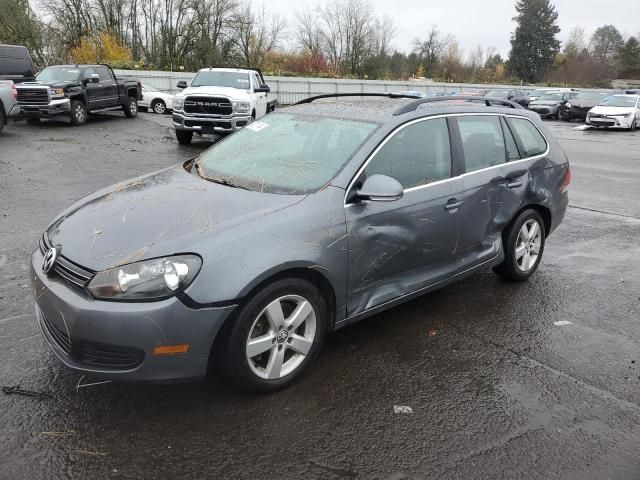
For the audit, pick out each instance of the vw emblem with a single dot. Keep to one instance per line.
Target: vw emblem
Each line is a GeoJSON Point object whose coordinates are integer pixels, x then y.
{"type": "Point", "coordinates": [282, 336]}
{"type": "Point", "coordinates": [49, 259]}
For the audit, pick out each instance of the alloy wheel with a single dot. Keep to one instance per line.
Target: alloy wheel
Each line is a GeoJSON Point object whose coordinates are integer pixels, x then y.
{"type": "Point", "coordinates": [159, 107]}
{"type": "Point", "coordinates": [133, 107]}
{"type": "Point", "coordinates": [79, 113]}
{"type": "Point", "coordinates": [528, 245]}
{"type": "Point", "coordinates": [281, 337]}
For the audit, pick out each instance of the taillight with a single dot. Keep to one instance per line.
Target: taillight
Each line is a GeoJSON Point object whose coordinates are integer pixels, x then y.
{"type": "Point", "coordinates": [566, 180]}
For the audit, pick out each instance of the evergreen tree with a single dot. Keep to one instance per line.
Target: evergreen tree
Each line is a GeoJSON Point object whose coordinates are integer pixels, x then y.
{"type": "Point", "coordinates": [606, 44]}
{"type": "Point", "coordinates": [534, 44]}
{"type": "Point", "coordinates": [630, 59]}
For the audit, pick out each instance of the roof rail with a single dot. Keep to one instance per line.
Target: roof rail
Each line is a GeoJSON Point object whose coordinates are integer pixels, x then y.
{"type": "Point", "coordinates": [336, 95]}
{"type": "Point", "coordinates": [411, 107]}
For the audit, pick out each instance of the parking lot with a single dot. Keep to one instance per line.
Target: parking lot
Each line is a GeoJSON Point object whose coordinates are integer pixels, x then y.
{"type": "Point", "coordinates": [534, 380]}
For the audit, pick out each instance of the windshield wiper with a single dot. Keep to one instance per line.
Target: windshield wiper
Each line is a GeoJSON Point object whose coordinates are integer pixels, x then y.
{"type": "Point", "coordinates": [221, 181]}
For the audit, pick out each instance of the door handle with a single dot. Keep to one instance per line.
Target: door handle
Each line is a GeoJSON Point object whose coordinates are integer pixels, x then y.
{"type": "Point", "coordinates": [453, 204]}
{"type": "Point", "coordinates": [514, 184]}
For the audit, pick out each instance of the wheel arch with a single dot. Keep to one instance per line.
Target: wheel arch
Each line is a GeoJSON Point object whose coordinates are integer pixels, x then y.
{"type": "Point", "coordinates": [132, 92]}
{"type": "Point", "coordinates": [544, 212]}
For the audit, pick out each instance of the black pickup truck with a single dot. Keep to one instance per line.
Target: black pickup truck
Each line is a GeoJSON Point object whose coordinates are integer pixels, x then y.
{"type": "Point", "coordinates": [75, 91]}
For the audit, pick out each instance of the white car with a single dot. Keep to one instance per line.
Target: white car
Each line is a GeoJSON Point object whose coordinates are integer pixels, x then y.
{"type": "Point", "coordinates": [154, 99]}
{"type": "Point", "coordinates": [616, 111]}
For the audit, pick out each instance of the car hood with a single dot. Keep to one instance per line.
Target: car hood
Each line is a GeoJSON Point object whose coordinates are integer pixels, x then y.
{"type": "Point", "coordinates": [233, 93]}
{"type": "Point", "coordinates": [604, 110]}
{"type": "Point", "coordinates": [48, 84]}
{"type": "Point", "coordinates": [168, 212]}
{"type": "Point", "coordinates": [545, 102]}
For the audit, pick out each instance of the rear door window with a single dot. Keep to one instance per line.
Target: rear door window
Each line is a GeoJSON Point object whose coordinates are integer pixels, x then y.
{"type": "Point", "coordinates": [531, 140]}
{"type": "Point", "coordinates": [416, 155]}
{"type": "Point", "coordinates": [482, 142]}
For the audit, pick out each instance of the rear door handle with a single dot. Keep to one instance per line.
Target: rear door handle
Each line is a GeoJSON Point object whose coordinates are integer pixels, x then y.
{"type": "Point", "coordinates": [514, 185]}
{"type": "Point", "coordinates": [453, 204]}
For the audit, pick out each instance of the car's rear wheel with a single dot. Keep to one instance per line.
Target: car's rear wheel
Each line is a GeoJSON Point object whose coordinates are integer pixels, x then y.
{"type": "Point", "coordinates": [159, 106]}
{"type": "Point", "coordinates": [523, 242]}
{"type": "Point", "coordinates": [276, 335]}
{"type": "Point", "coordinates": [634, 124]}
{"type": "Point", "coordinates": [131, 107]}
{"type": "Point", "coordinates": [184, 137]}
{"type": "Point", "coordinates": [78, 113]}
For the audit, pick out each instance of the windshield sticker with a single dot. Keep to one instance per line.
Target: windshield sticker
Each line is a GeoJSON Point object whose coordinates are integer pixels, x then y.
{"type": "Point", "coordinates": [257, 126]}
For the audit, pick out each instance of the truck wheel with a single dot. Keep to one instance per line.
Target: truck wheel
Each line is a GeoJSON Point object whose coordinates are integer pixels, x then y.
{"type": "Point", "coordinates": [131, 107]}
{"type": "Point", "coordinates": [78, 113]}
{"type": "Point", "coordinates": [184, 137]}
{"type": "Point", "coordinates": [159, 106]}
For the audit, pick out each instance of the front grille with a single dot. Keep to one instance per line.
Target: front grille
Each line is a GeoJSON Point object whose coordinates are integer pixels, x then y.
{"type": "Point", "coordinates": [208, 105]}
{"type": "Point", "coordinates": [72, 273]}
{"type": "Point", "coordinates": [94, 354]}
{"type": "Point", "coordinates": [32, 96]}
{"type": "Point", "coordinates": [204, 123]}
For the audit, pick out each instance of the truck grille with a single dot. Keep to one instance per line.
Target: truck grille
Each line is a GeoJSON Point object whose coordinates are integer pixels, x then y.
{"type": "Point", "coordinates": [93, 354]}
{"type": "Point", "coordinates": [73, 274]}
{"type": "Point", "coordinates": [208, 105]}
{"type": "Point", "coordinates": [32, 96]}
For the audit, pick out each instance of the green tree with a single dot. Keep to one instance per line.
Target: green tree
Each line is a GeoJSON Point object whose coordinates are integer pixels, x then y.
{"type": "Point", "coordinates": [534, 44]}
{"type": "Point", "coordinates": [606, 44]}
{"type": "Point", "coordinates": [630, 59]}
{"type": "Point", "coordinates": [19, 25]}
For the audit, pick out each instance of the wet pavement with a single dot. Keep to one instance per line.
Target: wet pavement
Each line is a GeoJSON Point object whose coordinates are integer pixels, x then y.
{"type": "Point", "coordinates": [500, 385]}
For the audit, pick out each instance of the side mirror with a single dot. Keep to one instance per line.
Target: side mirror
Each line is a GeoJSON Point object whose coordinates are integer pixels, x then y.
{"type": "Point", "coordinates": [262, 89]}
{"type": "Point", "coordinates": [380, 188]}
{"type": "Point", "coordinates": [93, 78]}
{"type": "Point", "coordinates": [181, 84]}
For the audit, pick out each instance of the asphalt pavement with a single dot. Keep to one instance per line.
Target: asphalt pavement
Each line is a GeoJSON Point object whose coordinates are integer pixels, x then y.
{"type": "Point", "coordinates": [539, 380]}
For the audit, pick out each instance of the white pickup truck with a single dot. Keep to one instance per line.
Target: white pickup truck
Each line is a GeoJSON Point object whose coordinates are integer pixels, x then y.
{"type": "Point", "coordinates": [220, 101]}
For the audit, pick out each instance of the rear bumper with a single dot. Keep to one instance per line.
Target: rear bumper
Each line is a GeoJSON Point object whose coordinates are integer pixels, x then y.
{"type": "Point", "coordinates": [200, 124]}
{"type": "Point", "coordinates": [115, 340]}
{"type": "Point", "coordinates": [55, 107]}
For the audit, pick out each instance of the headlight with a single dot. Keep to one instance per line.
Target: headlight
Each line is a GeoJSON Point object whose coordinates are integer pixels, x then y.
{"type": "Point", "coordinates": [178, 103]}
{"type": "Point", "coordinates": [241, 107]}
{"type": "Point", "coordinates": [568, 105]}
{"type": "Point", "coordinates": [57, 92]}
{"type": "Point", "coordinates": [147, 280]}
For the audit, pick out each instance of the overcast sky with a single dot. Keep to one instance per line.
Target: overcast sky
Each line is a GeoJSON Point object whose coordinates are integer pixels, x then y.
{"type": "Point", "coordinates": [487, 22]}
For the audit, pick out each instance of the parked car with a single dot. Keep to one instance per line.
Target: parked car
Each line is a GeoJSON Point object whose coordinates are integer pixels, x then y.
{"type": "Point", "coordinates": [16, 64]}
{"type": "Point", "coordinates": [76, 91]}
{"type": "Point", "coordinates": [551, 105]}
{"type": "Point", "coordinates": [310, 219]}
{"type": "Point", "coordinates": [616, 111]}
{"type": "Point", "coordinates": [579, 106]}
{"type": "Point", "coordinates": [538, 92]}
{"type": "Point", "coordinates": [157, 101]}
{"type": "Point", "coordinates": [220, 100]}
{"type": "Point", "coordinates": [633, 91]}
{"type": "Point", "coordinates": [517, 96]}
{"type": "Point", "coordinates": [7, 101]}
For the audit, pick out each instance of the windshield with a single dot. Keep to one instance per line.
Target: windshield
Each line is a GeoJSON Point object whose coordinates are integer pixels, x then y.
{"type": "Point", "coordinates": [591, 95]}
{"type": "Point", "coordinates": [619, 101]}
{"type": "Point", "coordinates": [285, 153]}
{"type": "Point", "coordinates": [551, 96]}
{"type": "Point", "coordinates": [221, 79]}
{"type": "Point", "coordinates": [59, 74]}
{"type": "Point", "coordinates": [497, 93]}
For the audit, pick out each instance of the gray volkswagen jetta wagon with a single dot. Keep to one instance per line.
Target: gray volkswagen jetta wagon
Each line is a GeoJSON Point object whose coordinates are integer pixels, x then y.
{"type": "Point", "coordinates": [317, 216]}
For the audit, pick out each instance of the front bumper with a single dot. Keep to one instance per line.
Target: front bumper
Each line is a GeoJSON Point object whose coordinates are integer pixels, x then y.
{"type": "Point", "coordinates": [115, 340]}
{"type": "Point", "coordinates": [605, 121]}
{"type": "Point", "coordinates": [209, 124]}
{"type": "Point", "coordinates": [60, 106]}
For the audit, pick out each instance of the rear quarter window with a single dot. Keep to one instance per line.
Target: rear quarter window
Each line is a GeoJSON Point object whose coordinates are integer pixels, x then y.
{"type": "Point", "coordinates": [530, 137]}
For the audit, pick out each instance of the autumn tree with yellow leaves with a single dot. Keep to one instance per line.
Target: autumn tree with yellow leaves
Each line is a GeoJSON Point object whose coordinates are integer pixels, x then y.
{"type": "Point", "coordinates": [105, 48]}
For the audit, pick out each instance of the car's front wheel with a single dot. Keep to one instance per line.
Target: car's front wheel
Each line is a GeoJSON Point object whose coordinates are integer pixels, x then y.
{"type": "Point", "coordinates": [131, 107]}
{"type": "Point", "coordinates": [523, 243]}
{"type": "Point", "coordinates": [159, 106]}
{"type": "Point", "coordinates": [276, 335]}
{"type": "Point", "coordinates": [78, 113]}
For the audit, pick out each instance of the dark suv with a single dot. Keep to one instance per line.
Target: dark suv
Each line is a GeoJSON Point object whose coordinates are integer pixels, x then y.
{"type": "Point", "coordinates": [16, 64]}
{"type": "Point", "coordinates": [310, 219]}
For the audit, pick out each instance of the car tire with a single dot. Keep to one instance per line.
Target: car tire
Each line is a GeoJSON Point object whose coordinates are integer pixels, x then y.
{"type": "Point", "coordinates": [3, 117]}
{"type": "Point", "coordinates": [158, 106]}
{"type": "Point", "coordinates": [78, 113]}
{"type": "Point", "coordinates": [523, 242]}
{"type": "Point", "coordinates": [634, 125]}
{"type": "Point", "coordinates": [285, 350]}
{"type": "Point", "coordinates": [184, 137]}
{"type": "Point", "coordinates": [142, 109]}
{"type": "Point", "coordinates": [131, 107]}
